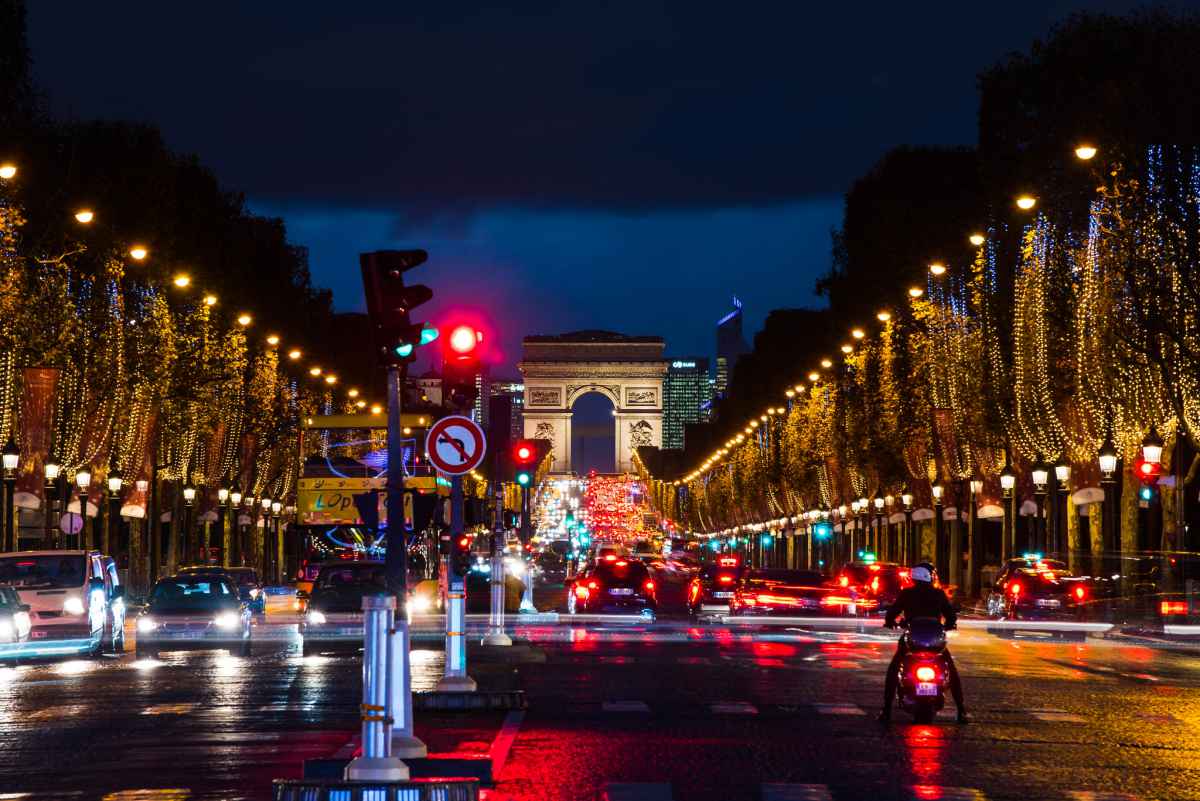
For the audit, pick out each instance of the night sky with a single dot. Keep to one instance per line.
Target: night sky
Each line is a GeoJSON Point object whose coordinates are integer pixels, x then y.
{"type": "Point", "coordinates": [567, 166]}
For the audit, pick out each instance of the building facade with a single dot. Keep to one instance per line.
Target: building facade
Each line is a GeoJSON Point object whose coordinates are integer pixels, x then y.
{"type": "Point", "coordinates": [513, 388]}
{"type": "Point", "coordinates": [687, 398]}
{"type": "Point", "coordinates": [731, 346]}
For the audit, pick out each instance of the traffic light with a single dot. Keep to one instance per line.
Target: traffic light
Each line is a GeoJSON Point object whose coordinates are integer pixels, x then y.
{"type": "Point", "coordinates": [389, 304]}
{"type": "Point", "coordinates": [524, 457]}
{"type": "Point", "coordinates": [822, 530]}
{"type": "Point", "coordinates": [460, 557]}
{"type": "Point", "coordinates": [460, 366]}
{"type": "Point", "coordinates": [1147, 472]}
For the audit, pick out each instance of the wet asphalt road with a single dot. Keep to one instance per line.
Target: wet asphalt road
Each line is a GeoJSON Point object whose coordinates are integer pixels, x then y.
{"type": "Point", "coordinates": [668, 711]}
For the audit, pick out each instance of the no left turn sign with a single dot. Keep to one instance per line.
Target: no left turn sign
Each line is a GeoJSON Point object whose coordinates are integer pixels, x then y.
{"type": "Point", "coordinates": [455, 445]}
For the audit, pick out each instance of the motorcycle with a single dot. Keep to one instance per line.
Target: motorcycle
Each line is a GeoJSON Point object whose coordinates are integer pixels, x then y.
{"type": "Point", "coordinates": [924, 679]}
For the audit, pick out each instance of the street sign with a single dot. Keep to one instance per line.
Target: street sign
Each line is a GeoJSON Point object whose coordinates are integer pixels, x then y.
{"type": "Point", "coordinates": [455, 445]}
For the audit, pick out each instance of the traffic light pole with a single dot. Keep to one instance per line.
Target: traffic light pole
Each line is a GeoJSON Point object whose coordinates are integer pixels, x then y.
{"type": "Point", "coordinates": [455, 678]}
{"type": "Point", "coordinates": [399, 683]}
{"type": "Point", "coordinates": [495, 633]}
{"type": "Point", "coordinates": [525, 536]}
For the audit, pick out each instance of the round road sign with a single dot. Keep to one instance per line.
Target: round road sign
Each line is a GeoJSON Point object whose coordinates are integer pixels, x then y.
{"type": "Point", "coordinates": [455, 445]}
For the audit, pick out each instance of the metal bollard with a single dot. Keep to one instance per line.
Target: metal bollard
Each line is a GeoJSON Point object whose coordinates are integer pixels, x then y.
{"type": "Point", "coordinates": [455, 678]}
{"type": "Point", "coordinates": [495, 634]}
{"type": "Point", "coordinates": [376, 762]}
{"type": "Point", "coordinates": [399, 691]}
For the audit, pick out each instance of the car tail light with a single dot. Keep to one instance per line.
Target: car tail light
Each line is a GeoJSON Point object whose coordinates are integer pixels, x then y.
{"type": "Point", "coordinates": [926, 673]}
{"type": "Point", "coordinates": [1015, 588]}
{"type": "Point", "coordinates": [749, 601]}
{"type": "Point", "coordinates": [581, 591]}
{"type": "Point", "coordinates": [728, 561]}
{"type": "Point", "coordinates": [621, 563]}
{"type": "Point", "coordinates": [694, 591]}
{"type": "Point", "coordinates": [725, 579]}
{"type": "Point", "coordinates": [592, 585]}
{"type": "Point", "coordinates": [649, 585]}
{"type": "Point", "coordinates": [875, 584]}
{"type": "Point", "coordinates": [1174, 607]}
{"type": "Point", "coordinates": [844, 581]}
{"type": "Point", "coordinates": [836, 600]}
{"type": "Point", "coordinates": [610, 557]}
{"type": "Point", "coordinates": [1080, 593]}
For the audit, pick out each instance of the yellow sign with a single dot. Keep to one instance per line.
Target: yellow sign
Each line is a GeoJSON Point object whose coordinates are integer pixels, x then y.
{"type": "Point", "coordinates": [331, 500]}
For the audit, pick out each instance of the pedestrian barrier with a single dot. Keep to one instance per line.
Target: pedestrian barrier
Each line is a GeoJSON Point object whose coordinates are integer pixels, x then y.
{"type": "Point", "coordinates": [442, 789]}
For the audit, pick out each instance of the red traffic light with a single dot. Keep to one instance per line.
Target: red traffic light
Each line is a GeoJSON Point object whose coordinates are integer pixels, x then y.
{"type": "Point", "coordinates": [1147, 472]}
{"type": "Point", "coordinates": [464, 543]}
{"type": "Point", "coordinates": [524, 452]}
{"type": "Point", "coordinates": [464, 340]}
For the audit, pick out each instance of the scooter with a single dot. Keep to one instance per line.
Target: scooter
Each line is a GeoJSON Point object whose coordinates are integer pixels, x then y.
{"type": "Point", "coordinates": [923, 675]}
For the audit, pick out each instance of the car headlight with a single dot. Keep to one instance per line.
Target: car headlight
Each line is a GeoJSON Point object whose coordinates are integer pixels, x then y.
{"type": "Point", "coordinates": [254, 592]}
{"type": "Point", "coordinates": [226, 620]}
{"type": "Point", "coordinates": [421, 603]}
{"type": "Point", "coordinates": [314, 618]}
{"type": "Point", "coordinates": [7, 630]}
{"type": "Point", "coordinates": [145, 625]}
{"type": "Point", "coordinates": [73, 606]}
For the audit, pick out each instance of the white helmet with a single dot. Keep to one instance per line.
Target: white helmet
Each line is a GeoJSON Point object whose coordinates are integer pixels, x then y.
{"type": "Point", "coordinates": [922, 573]}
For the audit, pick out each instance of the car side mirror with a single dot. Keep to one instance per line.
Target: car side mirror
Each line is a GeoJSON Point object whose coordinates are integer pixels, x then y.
{"type": "Point", "coordinates": [301, 595]}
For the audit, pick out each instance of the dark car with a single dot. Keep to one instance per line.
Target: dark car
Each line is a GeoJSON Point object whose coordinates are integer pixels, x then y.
{"type": "Point", "coordinates": [713, 587]}
{"type": "Point", "coordinates": [15, 623]}
{"type": "Point", "coordinates": [994, 598]}
{"type": "Point", "coordinates": [250, 589]}
{"type": "Point", "coordinates": [333, 618]}
{"type": "Point", "coordinates": [620, 586]}
{"type": "Point", "coordinates": [790, 592]}
{"type": "Point", "coordinates": [194, 611]}
{"type": "Point", "coordinates": [1041, 592]}
{"type": "Point", "coordinates": [876, 583]}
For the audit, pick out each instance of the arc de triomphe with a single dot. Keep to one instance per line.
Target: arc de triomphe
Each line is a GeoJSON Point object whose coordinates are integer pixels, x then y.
{"type": "Point", "coordinates": [558, 370]}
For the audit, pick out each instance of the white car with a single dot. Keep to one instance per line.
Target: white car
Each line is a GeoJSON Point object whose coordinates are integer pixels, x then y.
{"type": "Point", "coordinates": [76, 601]}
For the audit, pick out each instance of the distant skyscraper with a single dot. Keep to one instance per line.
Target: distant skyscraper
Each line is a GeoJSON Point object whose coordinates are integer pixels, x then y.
{"type": "Point", "coordinates": [515, 389]}
{"type": "Point", "coordinates": [687, 396]}
{"type": "Point", "coordinates": [731, 346]}
{"type": "Point", "coordinates": [430, 385]}
{"type": "Point", "coordinates": [483, 391]}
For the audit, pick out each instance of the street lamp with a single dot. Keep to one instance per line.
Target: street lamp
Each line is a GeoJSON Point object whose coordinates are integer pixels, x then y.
{"type": "Point", "coordinates": [937, 491]}
{"type": "Point", "coordinates": [52, 470]}
{"type": "Point", "coordinates": [11, 459]}
{"type": "Point", "coordinates": [1062, 479]}
{"type": "Point", "coordinates": [910, 548]}
{"type": "Point", "coordinates": [112, 484]}
{"type": "Point", "coordinates": [1008, 480]}
{"type": "Point", "coordinates": [1040, 473]}
{"type": "Point", "coordinates": [1152, 447]}
{"type": "Point", "coordinates": [1108, 457]}
{"type": "Point", "coordinates": [83, 480]}
{"type": "Point", "coordinates": [1108, 466]}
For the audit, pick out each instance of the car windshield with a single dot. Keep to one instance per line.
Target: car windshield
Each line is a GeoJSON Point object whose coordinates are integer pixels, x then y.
{"type": "Point", "coordinates": [192, 592]}
{"type": "Point", "coordinates": [357, 578]}
{"type": "Point", "coordinates": [42, 572]}
{"type": "Point", "coordinates": [9, 598]}
{"type": "Point", "coordinates": [622, 571]}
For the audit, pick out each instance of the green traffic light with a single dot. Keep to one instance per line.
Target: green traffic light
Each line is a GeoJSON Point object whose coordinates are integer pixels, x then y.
{"type": "Point", "coordinates": [524, 479]}
{"type": "Point", "coordinates": [404, 350]}
{"type": "Point", "coordinates": [428, 334]}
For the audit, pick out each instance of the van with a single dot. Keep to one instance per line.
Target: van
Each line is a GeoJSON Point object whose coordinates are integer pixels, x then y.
{"type": "Point", "coordinates": [76, 600]}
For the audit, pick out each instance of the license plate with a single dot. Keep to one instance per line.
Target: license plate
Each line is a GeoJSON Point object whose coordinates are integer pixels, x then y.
{"type": "Point", "coordinates": [621, 591]}
{"type": "Point", "coordinates": [722, 594]}
{"type": "Point", "coordinates": [927, 688]}
{"type": "Point", "coordinates": [808, 603]}
{"type": "Point", "coordinates": [1050, 603]}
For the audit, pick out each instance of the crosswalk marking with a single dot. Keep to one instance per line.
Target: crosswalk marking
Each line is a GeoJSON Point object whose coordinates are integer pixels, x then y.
{"type": "Point", "coordinates": [624, 706]}
{"type": "Point", "coordinates": [733, 708]}
{"type": "Point", "coordinates": [1057, 716]}
{"type": "Point", "coordinates": [796, 792]}
{"type": "Point", "coordinates": [169, 709]}
{"type": "Point", "coordinates": [637, 791]}
{"type": "Point", "coordinates": [839, 709]}
{"type": "Point", "coordinates": [920, 792]}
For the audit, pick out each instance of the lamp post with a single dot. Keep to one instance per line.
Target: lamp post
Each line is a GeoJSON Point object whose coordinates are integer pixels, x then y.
{"type": "Point", "coordinates": [83, 480]}
{"type": "Point", "coordinates": [974, 558]}
{"type": "Point", "coordinates": [268, 544]}
{"type": "Point", "coordinates": [143, 487]}
{"type": "Point", "coordinates": [52, 469]}
{"type": "Point", "coordinates": [222, 522]}
{"type": "Point", "coordinates": [1108, 468]}
{"type": "Point", "coordinates": [11, 458]}
{"type": "Point", "coordinates": [112, 485]}
{"type": "Point", "coordinates": [1040, 473]}
{"type": "Point", "coordinates": [276, 510]}
{"type": "Point", "coordinates": [1008, 481]}
{"type": "Point", "coordinates": [1152, 451]}
{"type": "Point", "coordinates": [880, 538]}
{"type": "Point", "coordinates": [235, 512]}
{"type": "Point", "coordinates": [937, 491]}
{"type": "Point", "coordinates": [189, 497]}
{"type": "Point", "coordinates": [1062, 480]}
{"type": "Point", "coordinates": [912, 547]}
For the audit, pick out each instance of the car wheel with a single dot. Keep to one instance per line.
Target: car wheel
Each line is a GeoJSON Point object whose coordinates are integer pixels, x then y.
{"type": "Point", "coordinates": [245, 649]}
{"type": "Point", "coordinates": [118, 643]}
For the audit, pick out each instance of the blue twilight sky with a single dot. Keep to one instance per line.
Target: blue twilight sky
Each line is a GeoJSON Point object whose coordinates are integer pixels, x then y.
{"type": "Point", "coordinates": [626, 165]}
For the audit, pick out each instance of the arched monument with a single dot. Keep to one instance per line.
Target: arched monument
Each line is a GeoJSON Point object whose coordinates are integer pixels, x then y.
{"type": "Point", "coordinates": [629, 371]}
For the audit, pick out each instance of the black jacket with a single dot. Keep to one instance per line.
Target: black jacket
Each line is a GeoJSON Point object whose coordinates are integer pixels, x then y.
{"type": "Point", "coordinates": [922, 600]}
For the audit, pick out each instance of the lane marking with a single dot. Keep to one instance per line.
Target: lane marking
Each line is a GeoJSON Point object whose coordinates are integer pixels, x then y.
{"type": "Point", "coordinates": [637, 791]}
{"type": "Point", "coordinates": [839, 709]}
{"type": "Point", "coordinates": [1100, 795]}
{"type": "Point", "coordinates": [1058, 716]}
{"type": "Point", "coordinates": [504, 741]}
{"type": "Point", "coordinates": [796, 792]}
{"type": "Point", "coordinates": [169, 709]}
{"type": "Point", "coordinates": [923, 791]}
{"type": "Point", "coordinates": [733, 708]}
{"type": "Point", "coordinates": [624, 706]}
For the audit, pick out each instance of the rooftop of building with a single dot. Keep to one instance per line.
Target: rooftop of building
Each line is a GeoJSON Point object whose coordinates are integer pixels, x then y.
{"type": "Point", "coordinates": [590, 336]}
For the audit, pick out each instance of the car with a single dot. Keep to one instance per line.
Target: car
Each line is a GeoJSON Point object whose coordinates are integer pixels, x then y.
{"type": "Point", "coordinates": [333, 617]}
{"type": "Point", "coordinates": [250, 589]}
{"type": "Point", "coordinates": [620, 586]}
{"type": "Point", "coordinates": [776, 591]}
{"type": "Point", "coordinates": [1041, 591]}
{"type": "Point", "coordinates": [713, 587]}
{"type": "Point", "coordinates": [15, 624]}
{"type": "Point", "coordinates": [76, 599]}
{"type": "Point", "coordinates": [877, 583]}
{"type": "Point", "coordinates": [194, 611]}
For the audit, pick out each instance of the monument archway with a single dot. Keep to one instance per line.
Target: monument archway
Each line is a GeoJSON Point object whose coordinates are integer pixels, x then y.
{"type": "Point", "coordinates": [629, 371]}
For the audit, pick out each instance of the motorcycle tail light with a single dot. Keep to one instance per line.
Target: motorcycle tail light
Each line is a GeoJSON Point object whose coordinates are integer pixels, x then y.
{"type": "Point", "coordinates": [581, 591]}
{"type": "Point", "coordinates": [1015, 588]}
{"type": "Point", "coordinates": [1080, 593]}
{"type": "Point", "coordinates": [926, 673]}
{"type": "Point", "coordinates": [1174, 607]}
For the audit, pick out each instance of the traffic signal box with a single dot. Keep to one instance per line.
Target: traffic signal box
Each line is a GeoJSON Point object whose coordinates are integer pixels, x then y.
{"type": "Point", "coordinates": [460, 366]}
{"type": "Point", "coordinates": [525, 456]}
{"type": "Point", "coordinates": [394, 336]}
{"type": "Point", "coordinates": [1148, 473]}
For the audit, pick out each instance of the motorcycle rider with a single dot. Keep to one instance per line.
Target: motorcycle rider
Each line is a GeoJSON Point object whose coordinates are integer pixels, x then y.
{"type": "Point", "coordinates": [922, 599]}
